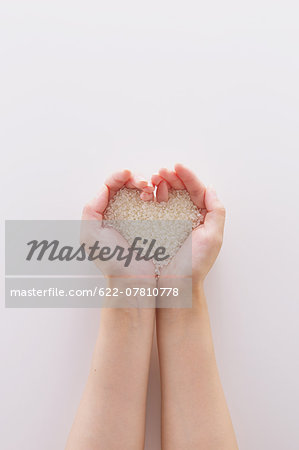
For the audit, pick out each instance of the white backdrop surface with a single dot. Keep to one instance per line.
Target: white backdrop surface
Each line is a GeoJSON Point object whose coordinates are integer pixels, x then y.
{"type": "Point", "coordinates": [90, 87]}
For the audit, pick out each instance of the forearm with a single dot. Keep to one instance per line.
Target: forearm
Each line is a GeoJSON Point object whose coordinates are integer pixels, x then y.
{"type": "Point", "coordinates": [111, 414]}
{"type": "Point", "coordinates": [194, 411]}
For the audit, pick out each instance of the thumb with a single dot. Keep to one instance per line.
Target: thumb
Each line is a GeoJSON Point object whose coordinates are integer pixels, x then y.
{"type": "Point", "coordinates": [215, 217]}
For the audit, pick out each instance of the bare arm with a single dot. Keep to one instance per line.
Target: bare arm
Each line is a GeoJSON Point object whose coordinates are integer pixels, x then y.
{"type": "Point", "coordinates": [194, 410]}
{"type": "Point", "coordinates": [111, 414]}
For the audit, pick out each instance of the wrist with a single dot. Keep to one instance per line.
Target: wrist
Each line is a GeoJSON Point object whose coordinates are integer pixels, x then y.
{"type": "Point", "coordinates": [198, 294]}
{"type": "Point", "coordinates": [183, 292]}
{"type": "Point", "coordinates": [138, 281]}
{"type": "Point", "coordinates": [185, 310]}
{"type": "Point", "coordinates": [131, 292]}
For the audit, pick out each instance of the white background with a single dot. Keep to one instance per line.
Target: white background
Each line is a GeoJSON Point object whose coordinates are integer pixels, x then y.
{"type": "Point", "coordinates": [90, 87]}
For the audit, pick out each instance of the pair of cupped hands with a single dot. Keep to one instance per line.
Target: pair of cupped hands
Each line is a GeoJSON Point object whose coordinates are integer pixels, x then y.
{"type": "Point", "coordinates": [199, 251]}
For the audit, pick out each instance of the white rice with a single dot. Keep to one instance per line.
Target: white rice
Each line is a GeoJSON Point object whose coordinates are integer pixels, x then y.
{"type": "Point", "coordinates": [169, 223]}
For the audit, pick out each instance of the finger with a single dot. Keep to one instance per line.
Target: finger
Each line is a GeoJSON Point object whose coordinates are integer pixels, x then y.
{"type": "Point", "coordinates": [146, 196]}
{"type": "Point", "coordinates": [130, 185]}
{"type": "Point", "coordinates": [156, 179]}
{"type": "Point", "coordinates": [162, 192]}
{"type": "Point", "coordinates": [138, 181]}
{"type": "Point", "coordinates": [116, 181]}
{"type": "Point", "coordinates": [215, 217]}
{"type": "Point", "coordinates": [193, 185]}
{"type": "Point", "coordinates": [96, 207]}
{"type": "Point", "coordinates": [149, 189]}
{"type": "Point", "coordinates": [172, 179]}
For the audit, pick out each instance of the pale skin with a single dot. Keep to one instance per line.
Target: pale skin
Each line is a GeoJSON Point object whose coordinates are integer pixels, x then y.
{"type": "Point", "coordinates": [111, 414]}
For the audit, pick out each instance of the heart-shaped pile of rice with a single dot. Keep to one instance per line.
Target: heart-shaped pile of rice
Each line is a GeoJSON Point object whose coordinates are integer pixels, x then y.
{"type": "Point", "coordinates": [169, 223]}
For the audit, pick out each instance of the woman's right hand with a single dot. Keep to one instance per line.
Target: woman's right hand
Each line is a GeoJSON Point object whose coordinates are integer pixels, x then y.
{"type": "Point", "coordinates": [199, 252]}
